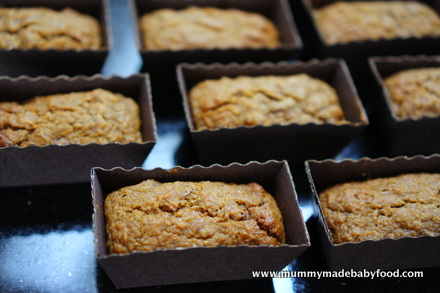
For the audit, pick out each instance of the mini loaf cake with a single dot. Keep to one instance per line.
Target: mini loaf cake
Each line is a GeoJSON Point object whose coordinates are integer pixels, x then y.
{"type": "Point", "coordinates": [407, 205]}
{"type": "Point", "coordinates": [97, 116]}
{"type": "Point", "coordinates": [264, 100]}
{"type": "Point", "coordinates": [206, 28]}
{"type": "Point", "coordinates": [152, 215]}
{"type": "Point", "coordinates": [44, 28]}
{"type": "Point", "coordinates": [415, 93]}
{"type": "Point", "coordinates": [344, 22]}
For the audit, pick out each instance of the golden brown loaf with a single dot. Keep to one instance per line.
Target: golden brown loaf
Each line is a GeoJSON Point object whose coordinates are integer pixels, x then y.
{"type": "Point", "coordinates": [206, 28]}
{"type": "Point", "coordinates": [97, 116]}
{"type": "Point", "coordinates": [44, 28]}
{"type": "Point", "coordinates": [152, 215]}
{"type": "Point", "coordinates": [263, 100]}
{"type": "Point", "coordinates": [415, 93]}
{"type": "Point", "coordinates": [407, 205]}
{"type": "Point", "coordinates": [344, 22]}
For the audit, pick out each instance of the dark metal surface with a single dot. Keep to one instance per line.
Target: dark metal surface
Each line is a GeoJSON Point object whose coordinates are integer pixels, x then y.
{"type": "Point", "coordinates": [46, 238]}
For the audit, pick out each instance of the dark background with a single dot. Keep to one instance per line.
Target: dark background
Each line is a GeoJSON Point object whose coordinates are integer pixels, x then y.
{"type": "Point", "coordinates": [46, 238]}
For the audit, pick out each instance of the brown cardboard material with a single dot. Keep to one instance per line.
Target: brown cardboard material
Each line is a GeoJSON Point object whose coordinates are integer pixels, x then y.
{"type": "Point", "coordinates": [293, 142]}
{"type": "Point", "coordinates": [278, 11]}
{"type": "Point", "coordinates": [200, 264]}
{"type": "Point", "coordinates": [382, 47]}
{"type": "Point", "coordinates": [408, 136]}
{"type": "Point", "coordinates": [357, 53]}
{"type": "Point", "coordinates": [53, 62]}
{"type": "Point", "coordinates": [385, 254]}
{"type": "Point", "coordinates": [56, 164]}
{"type": "Point", "coordinates": [161, 65]}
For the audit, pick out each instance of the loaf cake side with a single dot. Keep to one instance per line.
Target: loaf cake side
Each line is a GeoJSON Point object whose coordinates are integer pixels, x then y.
{"type": "Point", "coordinates": [407, 205]}
{"type": "Point", "coordinates": [345, 22]}
{"type": "Point", "coordinates": [415, 93]}
{"type": "Point", "coordinates": [264, 100]}
{"type": "Point", "coordinates": [153, 215]}
{"type": "Point", "coordinates": [97, 116]}
{"type": "Point", "coordinates": [206, 28]}
{"type": "Point", "coordinates": [45, 28]}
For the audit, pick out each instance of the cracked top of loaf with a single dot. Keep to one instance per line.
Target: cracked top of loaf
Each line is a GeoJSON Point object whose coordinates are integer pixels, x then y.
{"type": "Point", "coordinates": [415, 93]}
{"type": "Point", "coordinates": [264, 100]}
{"type": "Point", "coordinates": [152, 215]}
{"type": "Point", "coordinates": [44, 28]}
{"type": "Point", "coordinates": [407, 205]}
{"type": "Point", "coordinates": [344, 22]}
{"type": "Point", "coordinates": [206, 28]}
{"type": "Point", "coordinates": [97, 116]}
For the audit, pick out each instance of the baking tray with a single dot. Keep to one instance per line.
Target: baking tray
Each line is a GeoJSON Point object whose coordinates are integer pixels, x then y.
{"type": "Point", "coordinates": [189, 265]}
{"type": "Point", "coordinates": [400, 133]}
{"type": "Point", "coordinates": [52, 62]}
{"type": "Point", "coordinates": [293, 142]}
{"type": "Point", "coordinates": [46, 238]}
{"type": "Point", "coordinates": [387, 253]}
{"type": "Point", "coordinates": [57, 164]}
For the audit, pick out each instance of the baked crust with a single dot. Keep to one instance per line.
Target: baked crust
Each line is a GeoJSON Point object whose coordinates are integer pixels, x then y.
{"type": "Point", "coordinates": [44, 28]}
{"type": "Point", "coordinates": [153, 215]}
{"type": "Point", "coordinates": [345, 22]}
{"type": "Point", "coordinates": [264, 100]}
{"type": "Point", "coordinates": [407, 205]}
{"type": "Point", "coordinates": [206, 28]}
{"type": "Point", "coordinates": [415, 93]}
{"type": "Point", "coordinates": [97, 116]}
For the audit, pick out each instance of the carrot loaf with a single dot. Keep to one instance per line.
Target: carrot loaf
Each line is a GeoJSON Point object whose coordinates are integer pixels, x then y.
{"type": "Point", "coordinates": [415, 93]}
{"type": "Point", "coordinates": [44, 28]}
{"type": "Point", "coordinates": [97, 116]}
{"type": "Point", "coordinates": [264, 100]}
{"type": "Point", "coordinates": [344, 22]}
{"type": "Point", "coordinates": [407, 205]}
{"type": "Point", "coordinates": [152, 215]}
{"type": "Point", "coordinates": [206, 28]}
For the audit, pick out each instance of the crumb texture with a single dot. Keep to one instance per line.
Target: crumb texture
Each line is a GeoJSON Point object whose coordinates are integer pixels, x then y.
{"type": "Point", "coordinates": [407, 205]}
{"type": "Point", "coordinates": [264, 100]}
{"type": "Point", "coordinates": [415, 93]}
{"type": "Point", "coordinates": [345, 22]}
{"type": "Point", "coordinates": [96, 116]}
{"type": "Point", "coordinates": [44, 28]}
{"type": "Point", "coordinates": [152, 215]}
{"type": "Point", "coordinates": [206, 28]}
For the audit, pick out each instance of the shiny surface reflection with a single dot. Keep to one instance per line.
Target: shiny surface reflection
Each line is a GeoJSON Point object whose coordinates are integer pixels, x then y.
{"type": "Point", "coordinates": [53, 262]}
{"type": "Point", "coordinates": [46, 238]}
